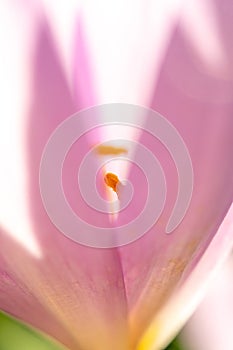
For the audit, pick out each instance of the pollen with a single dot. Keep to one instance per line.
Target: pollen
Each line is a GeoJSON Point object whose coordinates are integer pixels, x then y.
{"type": "Point", "coordinates": [111, 180]}
{"type": "Point", "coordinates": [103, 150]}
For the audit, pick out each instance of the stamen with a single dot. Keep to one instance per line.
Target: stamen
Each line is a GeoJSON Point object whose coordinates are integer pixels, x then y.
{"type": "Point", "coordinates": [111, 180]}
{"type": "Point", "coordinates": [110, 150]}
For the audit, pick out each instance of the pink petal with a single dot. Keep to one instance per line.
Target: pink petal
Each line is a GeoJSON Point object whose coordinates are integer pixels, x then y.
{"type": "Point", "coordinates": [210, 327]}
{"type": "Point", "coordinates": [188, 294]}
{"type": "Point", "coordinates": [74, 293]}
{"type": "Point", "coordinates": [156, 264]}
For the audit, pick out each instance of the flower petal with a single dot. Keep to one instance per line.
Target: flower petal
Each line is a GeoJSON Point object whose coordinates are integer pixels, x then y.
{"type": "Point", "coordinates": [57, 285]}
{"type": "Point", "coordinates": [172, 317]}
{"type": "Point", "coordinates": [210, 327]}
{"type": "Point", "coordinates": [155, 265]}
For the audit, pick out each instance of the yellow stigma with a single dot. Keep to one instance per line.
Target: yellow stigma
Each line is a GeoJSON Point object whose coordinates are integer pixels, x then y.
{"type": "Point", "coordinates": [111, 180]}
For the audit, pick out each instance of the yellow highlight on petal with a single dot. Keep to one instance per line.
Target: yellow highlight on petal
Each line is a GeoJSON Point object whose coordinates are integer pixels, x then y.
{"type": "Point", "coordinates": [148, 339]}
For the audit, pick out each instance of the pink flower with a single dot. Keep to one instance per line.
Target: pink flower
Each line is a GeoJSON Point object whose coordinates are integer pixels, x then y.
{"type": "Point", "coordinates": [58, 59]}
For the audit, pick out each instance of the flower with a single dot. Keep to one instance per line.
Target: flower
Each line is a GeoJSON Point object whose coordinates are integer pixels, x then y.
{"type": "Point", "coordinates": [60, 59]}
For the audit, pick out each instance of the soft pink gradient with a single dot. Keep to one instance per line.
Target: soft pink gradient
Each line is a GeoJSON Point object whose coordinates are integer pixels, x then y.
{"type": "Point", "coordinates": [106, 299]}
{"type": "Point", "coordinates": [203, 332]}
{"type": "Point", "coordinates": [72, 290]}
{"type": "Point", "coordinates": [206, 125]}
